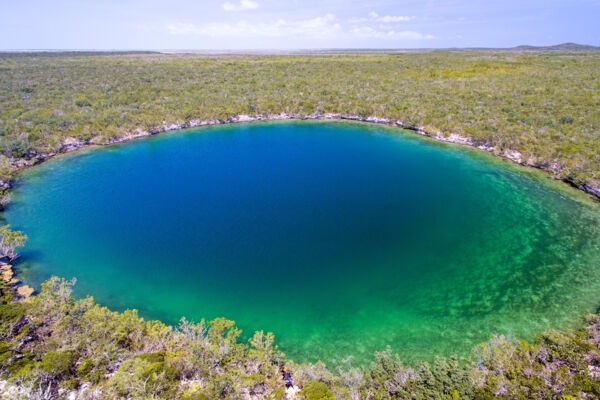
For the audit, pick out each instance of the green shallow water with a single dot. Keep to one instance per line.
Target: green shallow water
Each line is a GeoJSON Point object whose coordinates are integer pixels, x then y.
{"type": "Point", "coordinates": [340, 238]}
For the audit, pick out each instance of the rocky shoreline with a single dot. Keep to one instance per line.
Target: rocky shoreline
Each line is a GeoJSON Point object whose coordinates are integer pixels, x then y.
{"type": "Point", "coordinates": [71, 144]}
{"type": "Point", "coordinates": [23, 292]}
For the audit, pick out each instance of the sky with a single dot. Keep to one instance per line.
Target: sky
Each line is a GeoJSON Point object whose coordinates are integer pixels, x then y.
{"type": "Point", "coordinates": [294, 24]}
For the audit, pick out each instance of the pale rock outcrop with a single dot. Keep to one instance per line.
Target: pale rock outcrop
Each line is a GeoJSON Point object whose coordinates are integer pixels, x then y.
{"type": "Point", "coordinates": [7, 275]}
{"type": "Point", "coordinates": [514, 155]}
{"type": "Point", "coordinates": [25, 291]}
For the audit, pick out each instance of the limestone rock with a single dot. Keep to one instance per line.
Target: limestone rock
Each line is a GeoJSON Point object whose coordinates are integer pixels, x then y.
{"type": "Point", "coordinates": [7, 275]}
{"type": "Point", "coordinates": [25, 291]}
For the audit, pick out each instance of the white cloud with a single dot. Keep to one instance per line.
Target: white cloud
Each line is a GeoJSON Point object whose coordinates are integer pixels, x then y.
{"type": "Point", "coordinates": [241, 6]}
{"type": "Point", "coordinates": [371, 33]}
{"type": "Point", "coordinates": [394, 18]}
{"type": "Point", "coordinates": [316, 27]}
{"type": "Point", "coordinates": [373, 16]}
{"type": "Point", "coordinates": [326, 26]}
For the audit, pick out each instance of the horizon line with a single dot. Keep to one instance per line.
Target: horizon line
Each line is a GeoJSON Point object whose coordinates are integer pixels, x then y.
{"type": "Point", "coordinates": [179, 50]}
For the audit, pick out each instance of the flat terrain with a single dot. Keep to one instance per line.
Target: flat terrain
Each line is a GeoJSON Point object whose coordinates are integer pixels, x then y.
{"type": "Point", "coordinates": [542, 104]}
{"type": "Point", "coordinates": [545, 105]}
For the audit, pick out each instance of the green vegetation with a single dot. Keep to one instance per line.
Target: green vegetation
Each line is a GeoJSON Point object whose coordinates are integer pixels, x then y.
{"type": "Point", "coordinates": [545, 105]}
{"type": "Point", "coordinates": [54, 345]}
{"type": "Point", "coordinates": [315, 390]}
{"type": "Point", "coordinates": [9, 241]}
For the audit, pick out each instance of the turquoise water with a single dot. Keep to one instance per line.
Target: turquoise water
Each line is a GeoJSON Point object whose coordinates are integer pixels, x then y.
{"type": "Point", "coordinates": [340, 238]}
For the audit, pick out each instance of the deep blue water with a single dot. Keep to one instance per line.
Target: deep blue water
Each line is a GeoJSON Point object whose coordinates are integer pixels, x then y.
{"type": "Point", "coordinates": [340, 238]}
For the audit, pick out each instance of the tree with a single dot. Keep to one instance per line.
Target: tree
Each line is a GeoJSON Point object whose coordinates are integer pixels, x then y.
{"type": "Point", "coordinates": [9, 241]}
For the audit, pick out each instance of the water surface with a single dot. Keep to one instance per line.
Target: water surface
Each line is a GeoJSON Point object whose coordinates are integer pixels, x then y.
{"type": "Point", "coordinates": [340, 238]}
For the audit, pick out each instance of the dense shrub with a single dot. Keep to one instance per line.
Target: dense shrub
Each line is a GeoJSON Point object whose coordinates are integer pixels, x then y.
{"type": "Point", "coordinates": [314, 390]}
{"type": "Point", "coordinates": [55, 346]}
{"type": "Point", "coordinates": [544, 105]}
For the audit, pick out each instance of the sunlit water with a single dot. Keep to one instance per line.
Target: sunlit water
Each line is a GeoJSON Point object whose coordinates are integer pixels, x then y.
{"type": "Point", "coordinates": [340, 238]}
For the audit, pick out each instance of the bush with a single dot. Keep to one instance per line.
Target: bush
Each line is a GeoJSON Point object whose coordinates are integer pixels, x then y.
{"type": "Point", "coordinates": [83, 103]}
{"type": "Point", "coordinates": [58, 363]}
{"type": "Point", "coordinates": [18, 147]}
{"type": "Point", "coordinates": [315, 390]}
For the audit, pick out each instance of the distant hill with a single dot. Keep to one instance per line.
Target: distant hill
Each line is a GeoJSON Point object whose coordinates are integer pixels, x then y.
{"type": "Point", "coordinates": [558, 47]}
